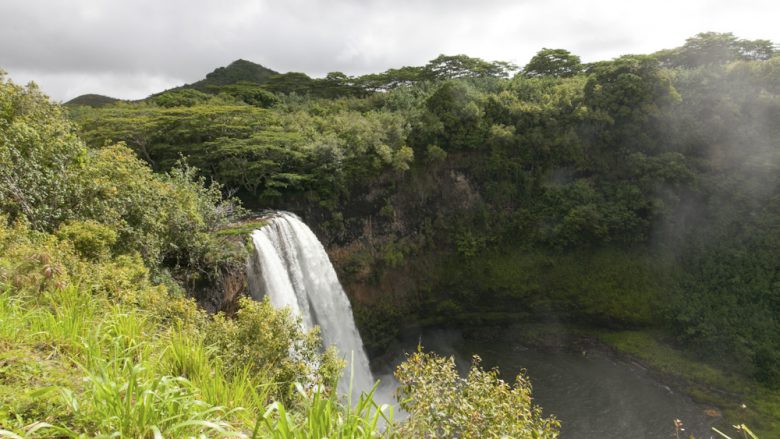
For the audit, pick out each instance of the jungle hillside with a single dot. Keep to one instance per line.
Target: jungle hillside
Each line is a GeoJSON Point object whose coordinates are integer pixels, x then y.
{"type": "Point", "coordinates": [637, 194]}
{"type": "Point", "coordinates": [634, 201]}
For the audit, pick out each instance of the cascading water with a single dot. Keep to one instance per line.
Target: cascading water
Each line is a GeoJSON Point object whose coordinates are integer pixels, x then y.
{"type": "Point", "coordinates": [293, 269]}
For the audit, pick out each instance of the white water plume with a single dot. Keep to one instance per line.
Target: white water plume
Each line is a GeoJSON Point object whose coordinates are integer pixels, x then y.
{"type": "Point", "coordinates": [294, 270]}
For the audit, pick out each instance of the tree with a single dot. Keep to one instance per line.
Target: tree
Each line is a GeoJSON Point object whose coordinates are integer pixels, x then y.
{"type": "Point", "coordinates": [714, 48]}
{"type": "Point", "coordinates": [392, 78]}
{"type": "Point", "coordinates": [182, 97]}
{"type": "Point", "coordinates": [553, 62]}
{"type": "Point", "coordinates": [446, 67]}
{"type": "Point", "coordinates": [49, 178]}
{"type": "Point", "coordinates": [40, 157]}
{"type": "Point", "coordinates": [624, 97]}
{"type": "Point", "coordinates": [454, 117]}
{"type": "Point", "coordinates": [336, 84]}
{"type": "Point", "coordinates": [291, 82]}
{"type": "Point", "coordinates": [248, 93]}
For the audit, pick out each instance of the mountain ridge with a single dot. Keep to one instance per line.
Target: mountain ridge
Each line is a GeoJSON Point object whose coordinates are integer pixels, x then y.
{"type": "Point", "coordinates": [238, 71]}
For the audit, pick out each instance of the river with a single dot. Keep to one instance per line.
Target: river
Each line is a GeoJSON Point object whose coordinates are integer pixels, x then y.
{"type": "Point", "coordinates": [592, 393]}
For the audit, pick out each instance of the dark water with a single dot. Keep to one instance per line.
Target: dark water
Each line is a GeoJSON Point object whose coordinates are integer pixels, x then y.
{"type": "Point", "coordinates": [593, 395]}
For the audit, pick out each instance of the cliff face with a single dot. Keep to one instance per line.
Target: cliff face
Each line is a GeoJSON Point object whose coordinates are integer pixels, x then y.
{"type": "Point", "coordinates": [221, 290]}
{"type": "Point", "coordinates": [392, 236]}
{"type": "Point", "coordinates": [222, 293]}
{"type": "Point", "coordinates": [429, 247]}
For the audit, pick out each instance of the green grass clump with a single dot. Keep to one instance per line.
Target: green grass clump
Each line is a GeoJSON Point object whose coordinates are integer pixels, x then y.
{"type": "Point", "coordinates": [325, 416]}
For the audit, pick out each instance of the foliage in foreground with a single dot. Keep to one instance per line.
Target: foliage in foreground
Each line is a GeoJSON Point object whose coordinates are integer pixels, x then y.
{"type": "Point", "coordinates": [444, 404]}
{"type": "Point", "coordinates": [93, 347]}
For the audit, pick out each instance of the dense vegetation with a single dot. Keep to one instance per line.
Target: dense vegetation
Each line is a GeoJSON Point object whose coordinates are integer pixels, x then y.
{"type": "Point", "coordinates": [637, 193]}
{"type": "Point", "coordinates": [100, 259]}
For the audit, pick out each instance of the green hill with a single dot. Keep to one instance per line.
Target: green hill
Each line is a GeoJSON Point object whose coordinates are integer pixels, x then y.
{"type": "Point", "coordinates": [92, 100]}
{"type": "Point", "coordinates": [237, 71]}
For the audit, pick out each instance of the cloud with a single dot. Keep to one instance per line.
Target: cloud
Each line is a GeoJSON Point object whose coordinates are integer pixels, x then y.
{"type": "Point", "coordinates": [131, 48]}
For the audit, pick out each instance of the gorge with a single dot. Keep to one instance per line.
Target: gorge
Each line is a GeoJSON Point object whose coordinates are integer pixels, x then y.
{"type": "Point", "coordinates": [593, 394]}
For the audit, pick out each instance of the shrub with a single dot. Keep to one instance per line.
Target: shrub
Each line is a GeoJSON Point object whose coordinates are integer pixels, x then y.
{"type": "Point", "coordinates": [91, 239]}
{"type": "Point", "coordinates": [442, 404]}
{"type": "Point", "coordinates": [272, 344]}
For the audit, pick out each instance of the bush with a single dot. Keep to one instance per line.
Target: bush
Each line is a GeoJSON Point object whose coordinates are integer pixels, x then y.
{"type": "Point", "coordinates": [442, 404]}
{"type": "Point", "coordinates": [91, 239]}
{"type": "Point", "coordinates": [272, 344]}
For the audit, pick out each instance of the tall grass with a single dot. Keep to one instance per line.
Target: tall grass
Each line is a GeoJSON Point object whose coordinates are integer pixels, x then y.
{"type": "Point", "coordinates": [324, 416]}
{"type": "Point", "coordinates": [116, 349]}
{"type": "Point", "coordinates": [187, 355]}
{"type": "Point", "coordinates": [112, 370]}
{"type": "Point", "coordinates": [126, 398]}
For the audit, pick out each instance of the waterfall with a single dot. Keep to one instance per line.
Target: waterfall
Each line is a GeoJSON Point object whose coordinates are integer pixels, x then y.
{"type": "Point", "coordinates": [293, 269]}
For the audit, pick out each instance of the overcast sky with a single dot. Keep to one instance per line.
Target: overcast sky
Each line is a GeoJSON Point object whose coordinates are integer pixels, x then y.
{"type": "Point", "coordinates": [132, 48]}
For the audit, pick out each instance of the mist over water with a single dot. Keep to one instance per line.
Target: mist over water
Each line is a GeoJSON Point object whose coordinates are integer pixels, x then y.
{"type": "Point", "coordinates": [293, 269]}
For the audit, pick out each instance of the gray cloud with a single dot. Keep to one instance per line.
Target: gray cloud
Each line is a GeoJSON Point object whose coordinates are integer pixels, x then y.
{"type": "Point", "coordinates": [131, 48]}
